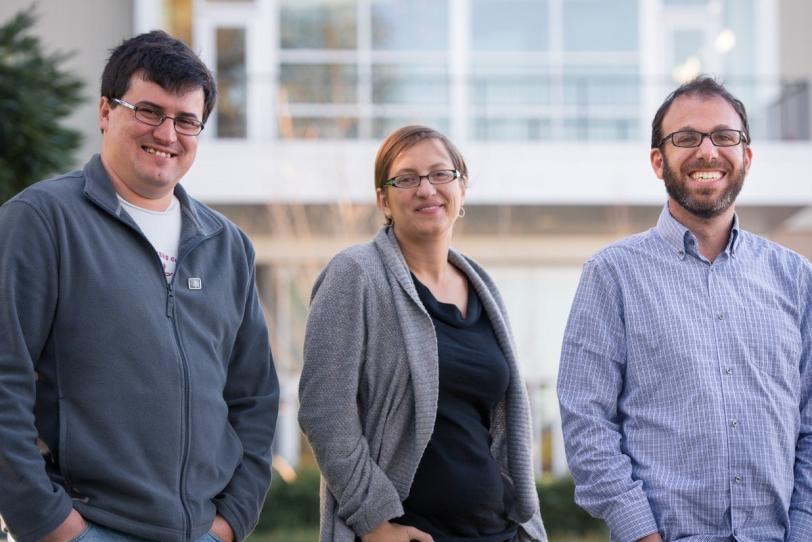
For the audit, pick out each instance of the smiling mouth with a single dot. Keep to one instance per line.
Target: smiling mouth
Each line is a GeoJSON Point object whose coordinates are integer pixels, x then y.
{"type": "Point", "coordinates": [706, 176]}
{"type": "Point", "coordinates": [156, 152]}
{"type": "Point", "coordinates": [429, 207]}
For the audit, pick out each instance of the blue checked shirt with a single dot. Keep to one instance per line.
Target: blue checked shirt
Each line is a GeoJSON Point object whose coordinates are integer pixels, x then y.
{"type": "Point", "coordinates": [684, 389]}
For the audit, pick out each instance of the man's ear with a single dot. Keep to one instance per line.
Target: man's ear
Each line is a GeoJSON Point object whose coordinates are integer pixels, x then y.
{"type": "Point", "coordinates": [104, 113]}
{"type": "Point", "coordinates": [748, 158]}
{"type": "Point", "coordinates": [657, 162]}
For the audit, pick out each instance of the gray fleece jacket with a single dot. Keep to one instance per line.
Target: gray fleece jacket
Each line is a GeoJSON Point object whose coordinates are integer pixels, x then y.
{"type": "Point", "coordinates": [369, 387]}
{"type": "Point", "coordinates": [154, 403]}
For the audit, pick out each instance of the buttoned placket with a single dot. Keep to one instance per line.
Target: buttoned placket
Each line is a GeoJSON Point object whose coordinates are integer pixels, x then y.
{"type": "Point", "coordinates": [724, 318]}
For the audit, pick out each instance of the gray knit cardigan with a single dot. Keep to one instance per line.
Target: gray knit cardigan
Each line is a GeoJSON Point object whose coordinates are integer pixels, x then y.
{"type": "Point", "coordinates": [369, 386]}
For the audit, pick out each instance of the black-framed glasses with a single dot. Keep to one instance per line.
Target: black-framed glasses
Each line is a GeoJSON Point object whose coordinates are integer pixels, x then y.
{"type": "Point", "coordinates": [692, 138]}
{"type": "Point", "coordinates": [149, 115]}
{"type": "Point", "coordinates": [413, 180]}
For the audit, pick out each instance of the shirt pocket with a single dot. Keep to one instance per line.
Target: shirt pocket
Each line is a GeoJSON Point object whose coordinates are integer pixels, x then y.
{"type": "Point", "coordinates": [773, 340]}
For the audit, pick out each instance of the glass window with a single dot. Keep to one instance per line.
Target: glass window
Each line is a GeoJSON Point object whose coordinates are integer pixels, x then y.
{"type": "Point", "coordinates": [737, 42]}
{"type": "Point", "coordinates": [589, 86]}
{"type": "Point", "coordinates": [598, 25]}
{"type": "Point", "coordinates": [506, 84]}
{"type": "Point", "coordinates": [314, 24]}
{"type": "Point", "coordinates": [318, 128]}
{"type": "Point", "coordinates": [417, 25]}
{"type": "Point", "coordinates": [382, 127]}
{"type": "Point", "coordinates": [178, 15]}
{"type": "Point", "coordinates": [318, 83]}
{"type": "Point", "coordinates": [510, 25]}
{"type": "Point", "coordinates": [231, 83]}
{"type": "Point", "coordinates": [504, 129]}
{"type": "Point", "coordinates": [616, 129]}
{"type": "Point", "coordinates": [409, 84]}
{"type": "Point", "coordinates": [689, 60]}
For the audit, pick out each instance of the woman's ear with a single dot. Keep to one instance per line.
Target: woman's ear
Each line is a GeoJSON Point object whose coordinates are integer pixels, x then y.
{"type": "Point", "coordinates": [383, 203]}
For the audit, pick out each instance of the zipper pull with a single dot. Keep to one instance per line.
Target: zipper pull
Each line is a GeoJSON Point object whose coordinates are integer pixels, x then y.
{"type": "Point", "coordinates": [170, 301]}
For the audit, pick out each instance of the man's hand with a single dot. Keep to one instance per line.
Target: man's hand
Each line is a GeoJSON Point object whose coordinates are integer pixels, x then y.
{"type": "Point", "coordinates": [392, 532]}
{"type": "Point", "coordinates": [653, 537]}
{"type": "Point", "coordinates": [69, 529]}
{"type": "Point", "coordinates": [221, 529]}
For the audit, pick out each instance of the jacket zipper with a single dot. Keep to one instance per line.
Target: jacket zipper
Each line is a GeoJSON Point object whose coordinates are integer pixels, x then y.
{"type": "Point", "coordinates": [170, 313]}
{"type": "Point", "coordinates": [186, 414]}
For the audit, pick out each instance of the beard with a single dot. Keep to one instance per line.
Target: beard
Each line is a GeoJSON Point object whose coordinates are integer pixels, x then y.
{"type": "Point", "coordinates": [696, 202]}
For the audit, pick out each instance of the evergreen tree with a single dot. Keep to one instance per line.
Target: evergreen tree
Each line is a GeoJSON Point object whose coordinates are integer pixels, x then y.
{"type": "Point", "coordinates": [35, 94]}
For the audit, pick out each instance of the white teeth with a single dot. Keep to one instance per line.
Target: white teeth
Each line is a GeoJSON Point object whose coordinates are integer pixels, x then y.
{"type": "Point", "coordinates": [706, 175]}
{"type": "Point", "coordinates": [157, 153]}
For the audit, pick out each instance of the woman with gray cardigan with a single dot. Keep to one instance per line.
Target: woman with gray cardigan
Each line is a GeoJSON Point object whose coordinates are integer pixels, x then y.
{"type": "Point", "coordinates": [410, 395]}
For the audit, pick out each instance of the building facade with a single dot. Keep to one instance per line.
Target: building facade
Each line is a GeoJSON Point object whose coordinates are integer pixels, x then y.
{"type": "Point", "coordinates": [549, 100]}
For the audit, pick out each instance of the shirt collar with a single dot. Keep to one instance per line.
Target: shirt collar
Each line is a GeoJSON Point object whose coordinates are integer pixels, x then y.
{"type": "Point", "coordinates": [682, 241]}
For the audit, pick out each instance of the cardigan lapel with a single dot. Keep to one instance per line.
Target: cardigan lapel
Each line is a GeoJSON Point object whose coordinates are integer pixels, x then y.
{"type": "Point", "coordinates": [516, 414]}
{"type": "Point", "coordinates": [416, 326]}
{"type": "Point", "coordinates": [498, 322]}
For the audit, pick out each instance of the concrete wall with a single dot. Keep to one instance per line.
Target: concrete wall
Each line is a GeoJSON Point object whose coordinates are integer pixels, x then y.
{"type": "Point", "coordinates": [90, 28]}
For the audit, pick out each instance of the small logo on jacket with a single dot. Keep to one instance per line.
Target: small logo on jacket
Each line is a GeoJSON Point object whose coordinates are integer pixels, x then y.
{"type": "Point", "coordinates": [195, 283]}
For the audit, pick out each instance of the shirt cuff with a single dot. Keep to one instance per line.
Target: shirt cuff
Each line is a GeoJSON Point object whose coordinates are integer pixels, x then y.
{"type": "Point", "coordinates": [632, 521]}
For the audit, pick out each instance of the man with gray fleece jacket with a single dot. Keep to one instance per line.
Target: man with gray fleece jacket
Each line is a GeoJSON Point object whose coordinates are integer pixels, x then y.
{"type": "Point", "coordinates": [138, 397]}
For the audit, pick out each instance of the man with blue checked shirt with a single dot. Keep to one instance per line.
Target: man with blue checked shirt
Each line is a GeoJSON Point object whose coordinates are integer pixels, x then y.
{"type": "Point", "coordinates": [685, 370]}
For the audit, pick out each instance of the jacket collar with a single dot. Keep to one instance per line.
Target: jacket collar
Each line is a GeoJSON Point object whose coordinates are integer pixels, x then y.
{"type": "Point", "coordinates": [199, 221]}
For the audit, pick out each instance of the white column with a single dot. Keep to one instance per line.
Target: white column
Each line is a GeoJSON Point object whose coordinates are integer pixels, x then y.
{"type": "Point", "coordinates": [459, 49]}
{"type": "Point", "coordinates": [653, 66]}
{"type": "Point", "coordinates": [262, 71]}
{"type": "Point", "coordinates": [148, 15]}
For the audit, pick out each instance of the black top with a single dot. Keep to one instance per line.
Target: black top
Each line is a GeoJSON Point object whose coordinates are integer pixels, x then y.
{"type": "Point", "coordinates": [459, 493]}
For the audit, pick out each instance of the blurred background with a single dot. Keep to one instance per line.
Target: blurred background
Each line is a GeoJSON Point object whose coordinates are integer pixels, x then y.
{"type": "Point", "coordinates": [550, 101]}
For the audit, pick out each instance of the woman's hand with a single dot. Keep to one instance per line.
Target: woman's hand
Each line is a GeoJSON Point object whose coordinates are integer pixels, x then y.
{"type": "Point", "coordinates": [392, 532]}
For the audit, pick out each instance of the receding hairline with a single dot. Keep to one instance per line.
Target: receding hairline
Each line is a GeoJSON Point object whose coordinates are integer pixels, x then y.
{"type": "Point", "coordinates": [705, 96]}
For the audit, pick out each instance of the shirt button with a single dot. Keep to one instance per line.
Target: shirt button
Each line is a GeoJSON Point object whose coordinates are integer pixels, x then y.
{"type": "Point", "coordinates": [734, 423]}
{"type": "Point", "coordinates": [720, 316]}
{"type": "Point", "coordinates": [729, 371]}
{"type": "Point", "coordinates": [737, 479]}
{"type": "Point", "coordinates": [681, 253]}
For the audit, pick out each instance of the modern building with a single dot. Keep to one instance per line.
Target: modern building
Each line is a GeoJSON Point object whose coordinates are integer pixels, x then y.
{"type": "Point", "coordinates": [549, 100]}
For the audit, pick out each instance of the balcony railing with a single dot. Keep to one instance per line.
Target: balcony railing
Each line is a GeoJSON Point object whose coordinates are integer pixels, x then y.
{"type": "Point", "coordinates": [491, 107]}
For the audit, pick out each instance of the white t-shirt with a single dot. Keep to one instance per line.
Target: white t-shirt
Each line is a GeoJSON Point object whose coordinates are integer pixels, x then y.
{"type": "Point", "coordinates": [162, 228]}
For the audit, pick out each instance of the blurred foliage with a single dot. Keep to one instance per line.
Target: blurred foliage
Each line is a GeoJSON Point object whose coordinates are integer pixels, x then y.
{"type": "Point", "coordinates": [560, 513]}
{"type": "Point", "coordinates": [292, 505]}
{"type": "Point", "coordinates": [35, 94]}
{"type": "Point", "coordinates": [294, 508]}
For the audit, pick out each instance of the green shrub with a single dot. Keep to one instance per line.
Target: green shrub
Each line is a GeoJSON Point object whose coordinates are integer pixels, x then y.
{"type": "Point", "coordinates": [292, 505]}
{"type": "Point", "coordinates": [560, 513]}
{"type": "Point", "coordinates": [37, 91]}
